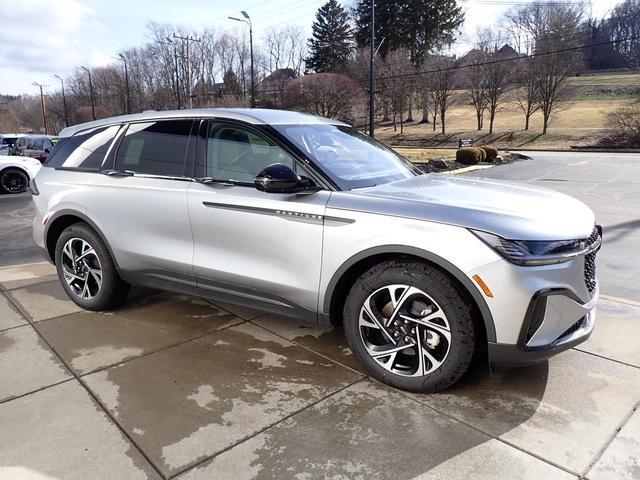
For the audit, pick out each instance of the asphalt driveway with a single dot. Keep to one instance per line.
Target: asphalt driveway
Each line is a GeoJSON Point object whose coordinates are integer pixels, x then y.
{"type": "Point", "coordinates": [170, 386]}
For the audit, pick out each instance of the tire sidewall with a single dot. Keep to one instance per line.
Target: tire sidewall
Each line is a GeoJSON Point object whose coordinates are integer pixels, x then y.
{"type": "Point", "coordinates": [84, 232]}
{"type": "Point", "coordinates": [448, 298]}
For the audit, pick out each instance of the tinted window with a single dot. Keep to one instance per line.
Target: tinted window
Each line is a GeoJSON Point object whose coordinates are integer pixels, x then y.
{"type": "Point", "coordinates": [239, 154]}
{"type": "Point", "coordinates": [83, 150]}
{"type": "Point", "coordinates": [155, 148]}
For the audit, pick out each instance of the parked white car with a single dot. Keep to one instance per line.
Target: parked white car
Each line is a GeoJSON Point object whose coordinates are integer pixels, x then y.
{"type": "Point", "coordinates": [16, 172]}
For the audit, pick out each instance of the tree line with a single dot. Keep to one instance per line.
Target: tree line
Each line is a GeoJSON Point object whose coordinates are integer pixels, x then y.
{"type": "Point", "coordinates": [533, 49]}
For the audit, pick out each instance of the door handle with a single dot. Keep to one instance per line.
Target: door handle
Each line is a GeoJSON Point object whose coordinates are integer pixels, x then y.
{"type": "Point", "coordinates": [117, 173]}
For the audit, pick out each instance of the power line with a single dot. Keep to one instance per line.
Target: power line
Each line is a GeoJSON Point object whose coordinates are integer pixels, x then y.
{"type": "Point", "coordinates": [514, 59]}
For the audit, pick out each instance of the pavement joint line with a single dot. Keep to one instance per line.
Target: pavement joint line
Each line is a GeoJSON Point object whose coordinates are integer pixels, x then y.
{"type": "Point", "coordinates": [36, 281]}
{"type": "Point", "coordinates": [577, 349]}
{"type": "Point", "coordinates": [91, 394]}
{"type": "Point", "coordinates": [19, 265]}
{"type": "Point", "coordinates": [268, 427]}
{"type": "Point", "coordinates": [14, 327]}
{"type": "Point", "coordinates": [611, 438]}
{"type": "Point", "coordinates": [626, 301]}
{"type": "Point", "coordinates": [161, 349]}
{"type": "Point", "coordinates": [501, 440]}
{"type": "Point", "coordinates": [31, 392]}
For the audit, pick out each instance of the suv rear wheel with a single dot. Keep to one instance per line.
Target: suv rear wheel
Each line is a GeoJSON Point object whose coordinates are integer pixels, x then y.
{"type": "Point", "coordinates": [86, 269]}
{"type": "Point", "coordinates": [410, 326]}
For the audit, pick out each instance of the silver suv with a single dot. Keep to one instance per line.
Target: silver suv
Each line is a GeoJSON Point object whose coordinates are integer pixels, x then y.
{"type": "Point", "coordinates": [308, 218]}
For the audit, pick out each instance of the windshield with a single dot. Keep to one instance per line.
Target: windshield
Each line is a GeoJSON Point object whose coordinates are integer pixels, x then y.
{"type": "Point", "coordinates": [350, 158]}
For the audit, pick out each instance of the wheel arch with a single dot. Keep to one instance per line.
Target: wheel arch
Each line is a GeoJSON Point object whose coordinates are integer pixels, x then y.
{"type": "Point", "coordinates": [15, 167]}
{"type": "Point", "coordinates": [62, 219]}
{"type": "Point", "coordinates": [341, 281]}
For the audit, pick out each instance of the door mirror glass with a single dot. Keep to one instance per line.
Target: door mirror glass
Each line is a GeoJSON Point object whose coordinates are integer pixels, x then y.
{"type": "Point", "coordinates": [278, 178]}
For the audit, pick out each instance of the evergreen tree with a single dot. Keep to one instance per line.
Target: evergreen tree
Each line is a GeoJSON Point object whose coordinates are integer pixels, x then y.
{"type": "Point", "coordinates": [417, 25]}
{"type": "Point", "coordinates": [331, 44]}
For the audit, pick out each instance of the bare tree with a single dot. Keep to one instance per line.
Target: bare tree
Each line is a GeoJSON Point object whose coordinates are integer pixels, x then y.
{"type": "Point", "coordinates": [441, 84]}
{"type": "Point", "coordinates": [325, 94]}
{"type": "Point", "coordinates": [549, 28]}
{"type": "Point", "coordinates": [396, 89]}
{"type": "Point", "coordinates": [496, 71]}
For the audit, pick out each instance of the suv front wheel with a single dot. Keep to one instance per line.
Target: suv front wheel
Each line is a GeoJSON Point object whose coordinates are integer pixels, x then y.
{"type": "Point", "coordinates": [86, 269]}
{"type": "Point", "coordinates": [410, 326]}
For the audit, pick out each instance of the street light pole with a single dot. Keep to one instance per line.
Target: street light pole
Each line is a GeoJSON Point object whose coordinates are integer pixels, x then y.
{"type": "Point", "coordinates": [93, 103]}
{"type": "Point", "coordinates": [253, 81]}
{"type": "Point", "coordinates": [44, 108]}
{"type": "Point", "coordinates": [64, 102]}
{"type": "Point", "coordinates": [372, 72]}
{"type": "Point", "coordinates": [126, 79]}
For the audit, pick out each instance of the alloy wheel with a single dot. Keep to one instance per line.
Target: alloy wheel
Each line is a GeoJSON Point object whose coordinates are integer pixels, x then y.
{"type": "Point", "coordinates": [81, 268]}
{"type": "Point", "coordinates": [14, 182]}
{"type": "Point", "coordinates": [404, 330]}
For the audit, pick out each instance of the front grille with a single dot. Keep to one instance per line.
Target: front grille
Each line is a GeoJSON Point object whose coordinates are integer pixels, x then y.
{"type": "Point", "coordinates": [590, 263]}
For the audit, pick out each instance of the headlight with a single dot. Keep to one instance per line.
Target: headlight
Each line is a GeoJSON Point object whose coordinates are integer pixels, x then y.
{"type": "Point", "coordinates": [530, 253]}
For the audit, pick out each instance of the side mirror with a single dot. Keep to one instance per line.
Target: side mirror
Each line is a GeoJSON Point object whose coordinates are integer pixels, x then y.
{"type": "Point", "coordinates": [278, 178]}
{"type": "Point", "coordinates": [47, 150]}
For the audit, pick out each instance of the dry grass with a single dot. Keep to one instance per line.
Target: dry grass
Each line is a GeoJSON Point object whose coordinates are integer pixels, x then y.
{"type": "Point", "coordinates": [579, 120]}
{"type": "Point", "coordinates": [422, 155]}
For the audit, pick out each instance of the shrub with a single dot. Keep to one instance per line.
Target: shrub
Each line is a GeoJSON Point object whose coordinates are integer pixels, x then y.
{"type": "Point", "coordinates": [468, 155]}
{"type": "Point", "coordinates": [626, 122]}
{"type": "Point", "coordinates": [483, 154]}
{"type": "Point", "coordinates": [492, 152]}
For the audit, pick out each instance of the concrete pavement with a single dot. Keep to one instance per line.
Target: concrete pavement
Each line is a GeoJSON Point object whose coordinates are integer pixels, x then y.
{"type": "Point", "coordinates": [170, 386]}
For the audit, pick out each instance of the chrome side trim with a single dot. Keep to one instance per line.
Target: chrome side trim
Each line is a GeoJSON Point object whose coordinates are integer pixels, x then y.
{"type": "Point", "coordinates": [285, 214]}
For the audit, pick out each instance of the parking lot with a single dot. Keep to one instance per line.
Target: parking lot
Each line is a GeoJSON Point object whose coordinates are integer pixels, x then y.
{"type": "Point", "coordinates": [171, 386]}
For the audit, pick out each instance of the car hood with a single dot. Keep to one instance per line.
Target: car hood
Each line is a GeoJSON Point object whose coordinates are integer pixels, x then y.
{"type": "Point", "coordinates": [513, 211]}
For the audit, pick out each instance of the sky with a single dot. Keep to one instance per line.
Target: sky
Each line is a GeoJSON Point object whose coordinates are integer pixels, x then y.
{"type": "Point", "coordinates": [41, 38]}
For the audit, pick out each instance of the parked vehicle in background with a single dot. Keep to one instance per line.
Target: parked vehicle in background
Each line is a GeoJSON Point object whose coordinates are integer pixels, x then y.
{"type": "Point", "coordinates": [425, 271]}
{"type": "Point", "coordinates": [34, 146]}
{"type": "Point", "coordinates": [16, 172]}
{"type": "Point", "coordinates": [8, 142]}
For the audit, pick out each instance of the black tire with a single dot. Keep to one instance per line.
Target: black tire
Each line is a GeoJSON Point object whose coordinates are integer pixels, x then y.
{"type": "Point", "coordinates": [13, 180]}
{"type": "Point", "coordinates": [450, 300]}
{"type": "Point", "coordinates": [113, 289]}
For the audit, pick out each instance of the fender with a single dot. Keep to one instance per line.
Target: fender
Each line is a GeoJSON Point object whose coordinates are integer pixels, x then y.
{"type": "Point", "coordinates": [84, 218]}
{"type": "Point", "coordinates": [445, 265]}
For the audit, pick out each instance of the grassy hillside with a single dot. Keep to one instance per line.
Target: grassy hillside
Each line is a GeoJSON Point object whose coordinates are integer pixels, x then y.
{"type": "Point", "coordinates": [580, 120]}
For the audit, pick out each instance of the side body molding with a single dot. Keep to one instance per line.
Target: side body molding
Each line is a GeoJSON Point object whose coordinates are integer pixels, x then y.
{"type": "Point", "coordinates": [428, 256]}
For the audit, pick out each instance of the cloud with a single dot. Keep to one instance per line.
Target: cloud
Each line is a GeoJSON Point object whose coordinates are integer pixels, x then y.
{"type": "Point", "coordinates": [45, 35]}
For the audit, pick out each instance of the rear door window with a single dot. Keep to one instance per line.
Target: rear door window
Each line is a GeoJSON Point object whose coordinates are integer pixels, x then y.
{"type": "Point", "coordinates": [85, 150]}
{"type": "Point", "coordinates": [155, 148]}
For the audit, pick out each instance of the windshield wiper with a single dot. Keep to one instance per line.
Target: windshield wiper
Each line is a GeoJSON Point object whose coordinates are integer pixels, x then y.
{"type": "Point", "coordinates": [210, 180]}
{"type": "Point", "coordinates": [364, 186]}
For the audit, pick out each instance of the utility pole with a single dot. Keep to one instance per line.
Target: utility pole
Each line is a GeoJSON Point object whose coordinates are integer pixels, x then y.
{"type": "Point", "coordinates": [44, 108]}
{"type": "Point", "coordinates": [93, 103]}
{"type": "Point", "coordinates": [253, 80]}
{"type": "Point", "coordinates": [175, 58]}
{"type": "Point", "coordinates": [64, 102]}
{"type": "Point", "coordinates": [126, 79]}
{"type": "Point", "coordinates": [188, 39]}
{"type": "Point", "coordinates": [372, 72]}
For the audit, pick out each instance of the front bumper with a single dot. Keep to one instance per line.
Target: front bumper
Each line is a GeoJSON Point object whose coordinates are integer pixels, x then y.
{"type": "Point", "coordinates": [539, 339]}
